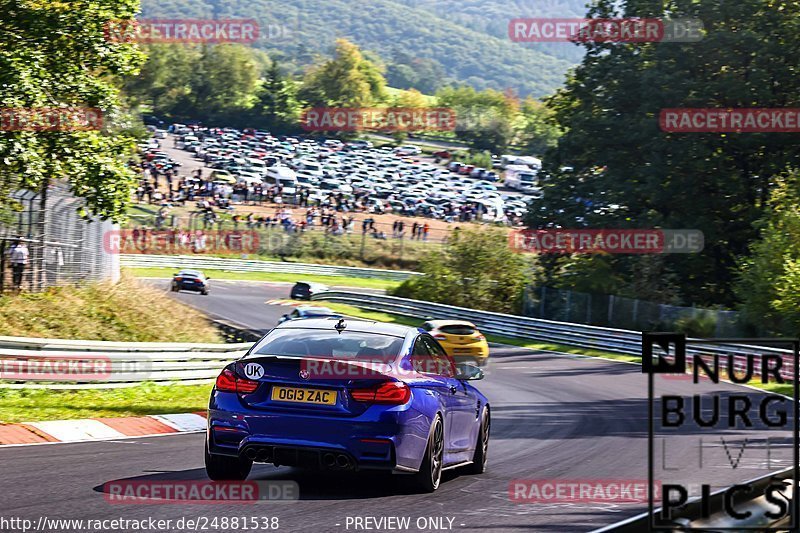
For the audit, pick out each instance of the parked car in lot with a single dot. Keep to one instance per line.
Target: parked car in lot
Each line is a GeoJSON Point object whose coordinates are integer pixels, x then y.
{"type": "Point", "coordinates": [304, 290]}
{"type": "Point", "coordinates": [190, 280]}
{"type": "Point", "coordinates": [465, 169]}
{"type": "Point", "coordinates": [407, 150]}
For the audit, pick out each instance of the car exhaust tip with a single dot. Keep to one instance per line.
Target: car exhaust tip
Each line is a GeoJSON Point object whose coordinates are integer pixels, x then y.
{"type": "Point", "coordinates": [329, 460]}
{"type": "Point", "coordinates": [342, 461]}
{"type": "Point", "coordinates": [262, 456]}
{"type": "Point", "coordinates": [250, 453]}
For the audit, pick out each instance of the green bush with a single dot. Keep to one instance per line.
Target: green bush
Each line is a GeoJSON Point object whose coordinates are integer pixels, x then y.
{"type": "Point", "coordinates": [476, 269]}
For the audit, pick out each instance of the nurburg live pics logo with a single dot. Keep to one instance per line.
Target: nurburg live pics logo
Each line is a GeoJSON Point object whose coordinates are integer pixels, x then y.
{"type": "Point", "coordinates": [743, 411]}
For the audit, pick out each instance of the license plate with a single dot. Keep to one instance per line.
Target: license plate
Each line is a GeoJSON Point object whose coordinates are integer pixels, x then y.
{"type": "Point", "coordinates": [296, 395]}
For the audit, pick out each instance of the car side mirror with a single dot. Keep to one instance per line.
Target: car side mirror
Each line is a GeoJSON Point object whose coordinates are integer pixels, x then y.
{"type": "Point", "coordinates": [468, 372]}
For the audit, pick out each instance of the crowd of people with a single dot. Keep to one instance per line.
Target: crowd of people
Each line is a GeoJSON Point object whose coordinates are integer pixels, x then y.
{"type": "Point", "coordinates": [332, 214]}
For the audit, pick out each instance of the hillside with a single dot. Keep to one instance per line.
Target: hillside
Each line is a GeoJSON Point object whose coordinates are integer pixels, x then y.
{"type": "Point", "coordinates": [425, 43]}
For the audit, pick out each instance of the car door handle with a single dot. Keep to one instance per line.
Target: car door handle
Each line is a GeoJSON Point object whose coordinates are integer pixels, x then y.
{"type": "Point", "coordinates": [453, 389]}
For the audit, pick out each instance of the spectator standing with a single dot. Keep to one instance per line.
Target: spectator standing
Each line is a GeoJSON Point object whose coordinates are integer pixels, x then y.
{"type": "Point", "coordinates": [18, 257]}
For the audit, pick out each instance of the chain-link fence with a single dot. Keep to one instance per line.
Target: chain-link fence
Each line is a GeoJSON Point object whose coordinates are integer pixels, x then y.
{"type": "Point", "coordinates": [628, 313]}
{"type": "Point", "coordinates": [48, 243]}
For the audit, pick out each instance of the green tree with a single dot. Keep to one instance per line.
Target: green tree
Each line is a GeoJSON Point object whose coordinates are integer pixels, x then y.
{"type": "Point", "coordinates": [629, 173]}
{"type": "Point", "coordinates": [407, 99]}
{"type": "Point", "coordinates": [346, 80]}
{"type": "Point", "coordinates": [484, 120]}
{"type": "Point", "coordinates": [56, 54]}
{"type": "Point", "coordinates": [225, 81]}
{"type": "Point", "coordinates": [164, 83]}
{"type": "Point", "coordinates": [278, 105]}
{"type": "Point", "coordinates": [538, 130]}
{"type": "Point", "coordinates": [769, 281]}
{"type": "Point", "coordinates": [475, 269]}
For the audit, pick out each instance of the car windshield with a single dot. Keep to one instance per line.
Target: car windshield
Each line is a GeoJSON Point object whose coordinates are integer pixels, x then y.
{"type": "Point", "coordinates": [330, 344]}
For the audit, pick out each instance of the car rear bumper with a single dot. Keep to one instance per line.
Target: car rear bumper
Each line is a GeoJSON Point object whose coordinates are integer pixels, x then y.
{"type": "Point", "coordinates": [385, 438]}
{"type": "Point", "coordinates": [467, 351]}
{"type": "Point", "coordinates": [196, 288]}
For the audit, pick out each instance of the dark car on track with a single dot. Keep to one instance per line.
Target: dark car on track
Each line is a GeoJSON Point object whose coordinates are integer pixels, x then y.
{"type": "Point", "coordinates": [304, 290]}
{"type": "Point", "coordinates": [190, 280]}
{"type": "Point", "coordinates": [307, 311]}
{"type": "Point", "coordinates": [344, 396]}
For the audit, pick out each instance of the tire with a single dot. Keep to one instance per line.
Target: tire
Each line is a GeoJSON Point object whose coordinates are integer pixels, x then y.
{"type": "Point", "coordinates": [430, 471]}
{"type": "Point", "coordinates": [204, 292]}
{"type": "Point", "coordinates": [174, 288]}
{"type": "Point", "coordinates": [225, 468]}
{"type": "Point", "coordinates": [481, 456]}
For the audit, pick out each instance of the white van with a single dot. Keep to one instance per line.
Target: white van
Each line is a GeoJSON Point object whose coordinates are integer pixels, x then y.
{"type": "Point", "coordinates": [283, 176]}
{"type": "Point", "coordinates": [522, 178]}
{"type": "Point", "coordinates": [533, 162]}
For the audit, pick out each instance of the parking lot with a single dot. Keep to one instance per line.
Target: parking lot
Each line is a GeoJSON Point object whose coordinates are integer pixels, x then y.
{"type": "Point", "coordinates": [348, 178]}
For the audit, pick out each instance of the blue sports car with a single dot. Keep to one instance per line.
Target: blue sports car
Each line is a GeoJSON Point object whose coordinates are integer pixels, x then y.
{"type": "Point", "coordinates": [347, 395]}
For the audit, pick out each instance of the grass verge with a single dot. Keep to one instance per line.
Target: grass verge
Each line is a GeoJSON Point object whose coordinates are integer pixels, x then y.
{"type": "Point", "coordinates": [271, 276]}
{"type": "Point", "coordinates": [127, 311]}
{"type": "Point", "coordinates": [147, 399]}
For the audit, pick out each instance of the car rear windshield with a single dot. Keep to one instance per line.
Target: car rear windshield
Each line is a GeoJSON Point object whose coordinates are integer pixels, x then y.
{"type": "Point", "coordinates": [331, 344]}
{"type": "Point", "coordinates": [457, 329]}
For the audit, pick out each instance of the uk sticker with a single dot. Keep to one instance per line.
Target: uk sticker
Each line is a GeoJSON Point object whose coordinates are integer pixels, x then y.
{"type": "Point", "coordinates": [253, 371]}
{"type": "Point", "coordinates": [723, 442]}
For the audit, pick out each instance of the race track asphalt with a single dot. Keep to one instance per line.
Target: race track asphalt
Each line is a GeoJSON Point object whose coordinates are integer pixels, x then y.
{"type": "Point", "coordinates": [555, 417]}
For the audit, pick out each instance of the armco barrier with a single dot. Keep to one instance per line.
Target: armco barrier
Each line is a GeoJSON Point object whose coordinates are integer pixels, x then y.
{"type": "Point", "coordinates": [23, 363]}
{"type": "Point", "coordinates": [620, 341]}
{"type": "Point", "coordinates": [244, 265]}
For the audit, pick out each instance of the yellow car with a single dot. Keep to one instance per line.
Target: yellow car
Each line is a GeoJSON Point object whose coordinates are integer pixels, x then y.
{"type": "Point", "coordinates": [460, 339]}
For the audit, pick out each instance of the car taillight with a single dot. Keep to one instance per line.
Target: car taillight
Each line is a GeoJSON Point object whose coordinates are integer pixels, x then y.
{"type": "Point", "coordinates": [440, 337]}
{"type": "Point", "coordinates": [227, 381]}
{"type": "Point", "coordinates": [388, 392]}
{"type": "Point", "coordinates": [480, 337]}
{"type": "Point", "coordinates": [178, 279]}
